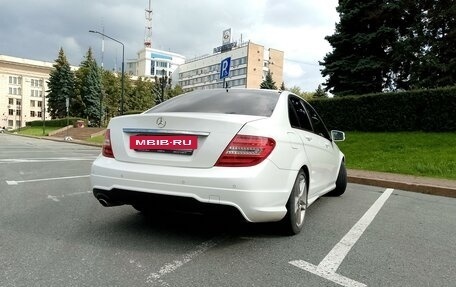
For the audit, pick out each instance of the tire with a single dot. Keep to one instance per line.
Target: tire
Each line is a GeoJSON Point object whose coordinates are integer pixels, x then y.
{"type": "Point", "coordinates": [341, 182]}
{"type": "Point", "coordinates": [296, 206]}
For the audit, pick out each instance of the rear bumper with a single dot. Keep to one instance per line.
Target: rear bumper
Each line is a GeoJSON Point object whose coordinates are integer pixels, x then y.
{"type": "Point", "coordinates": [259, 193]}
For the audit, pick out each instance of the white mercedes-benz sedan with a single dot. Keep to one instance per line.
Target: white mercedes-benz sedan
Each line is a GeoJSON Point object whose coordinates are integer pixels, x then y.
{"type": "Point", "coordinates": [264, 153]}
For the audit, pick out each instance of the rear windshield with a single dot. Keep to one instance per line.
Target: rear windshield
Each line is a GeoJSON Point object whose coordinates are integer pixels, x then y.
{"type": "Point", "coordinates": [233, 101]}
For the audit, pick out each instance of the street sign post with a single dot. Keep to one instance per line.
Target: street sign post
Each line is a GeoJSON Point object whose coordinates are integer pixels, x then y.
{"type": "Point", "coordinates": [225, 66]}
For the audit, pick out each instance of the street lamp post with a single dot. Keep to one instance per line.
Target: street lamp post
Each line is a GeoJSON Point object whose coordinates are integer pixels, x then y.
{"type": "Point", "coordinates": [123, 68]}
{"type": "Point", "coordinates": [163, 82]}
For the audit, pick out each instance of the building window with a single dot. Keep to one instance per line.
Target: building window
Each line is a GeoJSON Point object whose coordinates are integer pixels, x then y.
{"type": "Point", "coordinates": [11, 112]}
{"type": "Point", "coordinates": [18, 102]}
{"type": "Point", "coordinates": [18, 112]}
{"type": "Point", "coordinates": [13, 80]}
{"type": "Point", "coordinates": [39, 104]}
{"type": "Point", "coordinates": [32, 104]}
{"type": "Point", "coordinates": [10, 123]}
{"type": "Point", "coordinates": [10, 101]}
{"type": "Point", "coordinates": [32, 114]}
{"type": "Point", "coordinates": [40, 114]}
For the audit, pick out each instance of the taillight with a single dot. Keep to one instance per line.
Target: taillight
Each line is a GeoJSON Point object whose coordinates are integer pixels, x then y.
{"type": "Point", "coordinates": [246, 150]}
{"type": "Point", "coordinates": [107, 148]}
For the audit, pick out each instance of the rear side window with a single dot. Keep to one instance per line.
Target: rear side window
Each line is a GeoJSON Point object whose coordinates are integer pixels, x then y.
{"type": "Point", "coordinates": [317, 123]}
{"type": "Point", "coordinates": [297, 114]}
{"type": "Point", "coordinates": [233, 101]}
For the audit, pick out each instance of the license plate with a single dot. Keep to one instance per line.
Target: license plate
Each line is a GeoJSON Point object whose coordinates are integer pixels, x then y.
{"type": "Point", "coordinates": [143, 142]}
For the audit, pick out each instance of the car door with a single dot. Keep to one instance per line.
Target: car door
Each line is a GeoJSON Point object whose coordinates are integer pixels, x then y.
{"type": "Point", "coordinates": [316, 142]}
{"type": "Point", "coordinates": [326, 157]}
{"type": "Point", "coordinates": [311, 142]}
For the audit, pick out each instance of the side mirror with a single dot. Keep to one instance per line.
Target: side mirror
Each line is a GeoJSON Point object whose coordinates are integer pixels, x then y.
{"type": "Point", "coordinates": [337, 136]}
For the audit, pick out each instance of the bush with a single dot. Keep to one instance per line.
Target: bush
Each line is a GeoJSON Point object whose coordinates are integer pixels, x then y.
{"type": "Point", "coordinates": [422, 110]}
{"type": "Point", "coordinates": [56, 123]}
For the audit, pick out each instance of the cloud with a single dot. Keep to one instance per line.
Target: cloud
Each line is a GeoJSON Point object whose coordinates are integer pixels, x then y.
{"type": "Point", "coordinates": [37, 29]}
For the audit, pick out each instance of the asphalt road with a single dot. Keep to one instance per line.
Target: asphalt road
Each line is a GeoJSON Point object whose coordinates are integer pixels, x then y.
{"type": "Point", "coordinates": [54, 233]}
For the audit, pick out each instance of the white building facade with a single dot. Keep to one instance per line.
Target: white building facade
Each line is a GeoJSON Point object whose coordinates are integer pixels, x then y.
{"type": "Point", "coordinates": [23, 85]}
{"type": "Point", "coordinates": [154, 62]}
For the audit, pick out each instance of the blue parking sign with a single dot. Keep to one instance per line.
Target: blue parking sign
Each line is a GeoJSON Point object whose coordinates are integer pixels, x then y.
{"type": "Point", "coordinates": [225, 65]}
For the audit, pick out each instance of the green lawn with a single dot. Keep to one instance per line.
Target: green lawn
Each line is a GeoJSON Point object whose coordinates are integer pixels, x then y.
{"type": "Point", "coordinates": [413, 153]}
{"type": "Point", "coordinates": [97, 139]}
{"type": "Point", "coordinates": [36, 131]}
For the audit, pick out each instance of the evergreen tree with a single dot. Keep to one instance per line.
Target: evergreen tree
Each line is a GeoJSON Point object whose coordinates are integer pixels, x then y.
{"type": "Point", "coordinates": [89, 90]}
{"type": "Point", "coordinates": [61, 86]}
{"type": "Point", "coordinates": [438, 64]}
{"type": "Point", "coordinates": [268, 83]}
{"type": "Point", "coordinates": [392, 45]}
{"type": "Point", "coordinates": [320, 93]}
{"type": "Point", "coordinates": [359, 62]}
{"type": "Point", "coordinates": [282, 87]}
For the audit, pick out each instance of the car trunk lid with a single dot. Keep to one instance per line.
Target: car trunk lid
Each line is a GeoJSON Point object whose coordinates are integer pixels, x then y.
{"type": "Point", "coordinates": [174, 139]}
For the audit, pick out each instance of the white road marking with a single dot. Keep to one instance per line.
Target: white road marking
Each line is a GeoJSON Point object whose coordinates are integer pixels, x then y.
{"type": "Point", "coordinates": [329, 265]}
{"type": "Point", "coordinates": [16, 182]}
{"type": "Point", "coordinates": [168, 268]}
{"type": "Point", "coordinates": [58, 197]}
{"type": "Point", "coordinates": [54, 159]}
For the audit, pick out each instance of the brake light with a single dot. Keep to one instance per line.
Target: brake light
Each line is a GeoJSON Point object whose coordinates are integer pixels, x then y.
{"type": "Point", "coordinates": [246, 150]}
{"type": "Point", "coordinates": [107, 148]}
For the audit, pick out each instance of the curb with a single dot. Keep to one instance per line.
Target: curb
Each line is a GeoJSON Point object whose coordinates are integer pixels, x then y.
{"type": "Point", "coordinates": [407, 183]}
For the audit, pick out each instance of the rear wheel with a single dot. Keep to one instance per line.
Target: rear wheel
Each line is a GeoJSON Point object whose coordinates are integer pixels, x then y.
{"type": "Point", "coordinates": [341, 182]}
{"type": "Point", "coordinates": [296, 205]}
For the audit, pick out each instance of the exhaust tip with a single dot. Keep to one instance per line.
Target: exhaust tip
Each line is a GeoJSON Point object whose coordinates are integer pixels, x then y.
{"type": "Point", "coordinates": [103, 202]}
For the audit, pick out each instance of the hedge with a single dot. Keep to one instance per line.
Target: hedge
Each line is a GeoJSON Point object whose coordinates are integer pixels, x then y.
{"type": "Point", "coordinates": [421, 110]}
{"type": "Point", "coordinates": [56, 123]}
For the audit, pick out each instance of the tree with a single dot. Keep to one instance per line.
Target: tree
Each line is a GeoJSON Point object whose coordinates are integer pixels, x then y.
{"type": "Point", "coordinates": [89, 90]}
{"type": "Point", "coordinates": [388, 45]}
{"type": "Point", "coordinates": [438, 67]}
{"type": "Point", "coordinates": [141, 97]}
{"type": "Point", "coordinates": [282, 87]}
{"type": "Point", "coordinates": [320, 93]}
{"type": "Point", "coordinates": [111, 86]}
{"type": "Point", "coordinates": [175, 91]}
{"type": "Point", "coordinates": [268, 83]}
{"type": "Point", "coordinates": [61, 86]}
{"type": "Point", "coordinates": [298, 92]}
{"type": "Point", "coordinates": [359, 62]}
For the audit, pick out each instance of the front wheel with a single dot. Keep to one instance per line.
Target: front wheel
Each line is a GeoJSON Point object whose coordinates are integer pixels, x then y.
{"type": "Point", "coordinates": [296, 205]}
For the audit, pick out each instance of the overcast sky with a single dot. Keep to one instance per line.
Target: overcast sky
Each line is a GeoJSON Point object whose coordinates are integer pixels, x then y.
{"type": "Point", "coordinates": [37, 29]}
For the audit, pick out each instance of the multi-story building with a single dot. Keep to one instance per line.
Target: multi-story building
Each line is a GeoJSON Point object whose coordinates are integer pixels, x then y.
{"type": "Point", "coordinates": [154, 62]}
{"type": "Point", "coordinates": [250, 63]}
{"type": "Point", "coordinates": [23, 85]}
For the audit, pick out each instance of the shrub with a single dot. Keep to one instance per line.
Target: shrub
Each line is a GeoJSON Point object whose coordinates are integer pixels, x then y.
{"type": "Point", "coordinates": [421, 110]}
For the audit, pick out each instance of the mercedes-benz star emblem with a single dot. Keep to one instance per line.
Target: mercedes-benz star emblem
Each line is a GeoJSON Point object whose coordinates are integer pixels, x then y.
{"type": "Point", "coordinates": [161, 123]}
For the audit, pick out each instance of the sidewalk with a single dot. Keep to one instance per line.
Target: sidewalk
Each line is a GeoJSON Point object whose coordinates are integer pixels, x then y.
{"type": "Point", "coordinates": [434, 186]}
